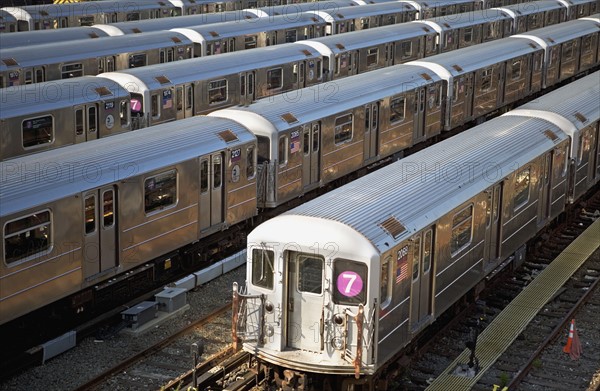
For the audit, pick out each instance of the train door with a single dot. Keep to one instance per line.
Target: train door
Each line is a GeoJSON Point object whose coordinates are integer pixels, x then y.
{"type": "Point", "coordinates": [100, 230]}
{"type": "Point", "coordinates": [211, 190]}
{"type": "Point", "coordinates": [35, 75]}
{"type": "Point", "coordinates": [110, 17]}
{"type": "Point", "coordinates": [493, 224]}
{"type": "Point", "coordinates": [299, 71]}
{"type": "Point", "coordinates": [596, 155]}
{"type": "Point", "coordinates": [419, 115]}
{"type": "Point", "coordinates": [304, 299]}
{"type": "Point", "coordinates": [421, 286]}
{"type": "Point", "coordinates": [371, 140]}
{"type": "Point", "coordinates": [311, 146]}
{"type": "Point", "coordinates": [247, 90]}
{"type": "Point", "coordinates": [86, 122]}
{"type": "Point", "coordinates": [545, 198]}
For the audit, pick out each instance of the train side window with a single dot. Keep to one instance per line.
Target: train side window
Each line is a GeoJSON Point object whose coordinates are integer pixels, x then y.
{"type": "Point", "coordinates": [522, 181]}
{"type": "Point", "coordinates": [291, 36]}
{"type": "Point", "coordinates": [28, 237]}
{"type": "Point", "coordinates": [137, 60]}
{"type": "Point", "coordinates": [274, 78]}
{"type": "Point", "coordinates": [586, 44]}
{"type": "Point", "coordinates": [203, 176]}
{"type": "Point", "coordinates": [132, 16]}
{"type": "Point", "coordinates": [217, 172]}
{"type": "Point", "coordinates": [385, 293]}
{"type": "Point", "coordinates": [310, 274]}
{"type": "Point", "coordinates": [250, 165]}
{"type": "Point", "coordinates": [37, 131]}
{"type": "Point", "coordinates": [108, 210]}
{"type": "Point", "coordinates": [217, 91]}
{"type": "Point", "coordinates": [567, 51]}
{"type": "Point", "coordinates": [516, 70]}
{"type": "Point", "coordinates": [462, 232]}
{"type": "Point", "coordinates": [71, 70]}
{"type": "Point", "coordinates": [343, 129]}
{"type": "Point", "coordinates": [372, 56]}
{"type": "Point", "coordinates": [397, 110]}
{"type": "Point", "coordinates": [468, 35]}
{"type": "Point", "coordinates": [416, 257]}
{"type": "Point", "coordinates": [282, 151]}
{"type": "Point", "coordinates": [155, 108]}
{"type": "Point", "coordinates": [90, 214]}
{"type": "Point", "coordinates": [350, 279]}
{"type": "Point", "coordinates": [427, 250]}
{"type": "Point", "coordinates": [262, 268]}
{"type": "Point", "coordinates": [486, 79]}
{"type": "Point", "coordinates": [407, 49]}
{"type": "Point", "coordinates": [250, 42]}
{"type": "Point", "coordinates": [160, 191]}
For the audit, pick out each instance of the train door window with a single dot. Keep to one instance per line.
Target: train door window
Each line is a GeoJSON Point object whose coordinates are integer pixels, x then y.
{"type": "Point", "coordinates": [385, 292]}
{"type": "Point", "coordinates": [79, 122]}
{"type": "Point", "coordinates": [154, 106]}
{"type": "Point", "coordinates": [486, 79]}
{"type": "Point", "coordinates": [343, 128]}
{"type": "Point", "coordinates": [101, 65]}
{"type": "Point", "coordinates": [416, 257]}
{"type": "Point", "coordinates": [90, 214]}
{"type": "Point", "coordinates": [262, 268]}
{"type": "Point", "coordinates": [372, 56]}
{"type": "Point", "coordinates": [37, 131]}
{"type": "Point", "coordinates": [427, 250]}
{"type": "Point", "coordinates": [137, 60]}
{"type": "Point", "coordinates": [291, 35]}
{"type": "Point", "coordinates": [124, 113]}
{"type": "Point", "coordinates": [250, 165]}
{"type": "Point", "coordinates": [516, 70]}
{"type": "Point", "coordinates": [64, 23]}
{"type": "Point", "coordinates": [274, 78]}
{"type": "Point", "coordinates": [567, 51]}
{"type": "Point", "coordinates": [27, 237]}
{"type": "Point", "coordinates": [189, 97]}
{"type": "Point", "coordinates": [179, 98]}
{"type": "Point", "coordinates": [250, 42]}
{"type": "Point", "coordinates": [468, 35]}
{"type": "Point", "coordinates": [108, 217]}
{"type": "Point", "coordinates": [2, 82]}
{"type": "Point", "coordinates": [92, 119]}
{"type": "Point", "coordinates": [110, 64]}
{"type": "Point", "coordinates": [28, 76]}
{"type": "Point", "coordinates": [40, 75]}
{"type": "Point", "coordinates": [586, 44]}
{"type": "Point", "coordinates": [350, 279]}
{"type": "Point", "coordinates": [71, 70]}
{"type": "Point", "coordinates": [534, 21]}
{"type": "Point", "coordinates": [521, 192]}
{"type": "Point", "coordinates": [488, 208]}
{"type": "Point", "coordinates": [306, 142]}
{"type": "Point", "coordinates": [406, 49]}
{"type": "Point", "coordinates": [364, 23]}
{"type": "Point", "coordinates": [161, 56]}
{"type": "Point", "coordinates": [315, 136]}
{"type": "Point", "coordinates": [160, 191]}
{"type": "Point", "coordinates": [217, 172]}
{"type": "Point", "coordinates": [462, 232]}
{"type": "Point", "coordinates": [170, 55]}
{"type": "Point", "coordinates": [310, 274]}
{"type": "Point", "coordinates": [397, 110]}
{"type": "Point", "coordinates": [217, 91]}
{"type": "Point", "coordinates": [203, 176]}
{"type": "Point", "coordinates": [282, 151]}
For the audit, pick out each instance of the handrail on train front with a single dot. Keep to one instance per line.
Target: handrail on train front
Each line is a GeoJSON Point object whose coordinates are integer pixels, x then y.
{"type": "Point", "coordinates": [239, 300]}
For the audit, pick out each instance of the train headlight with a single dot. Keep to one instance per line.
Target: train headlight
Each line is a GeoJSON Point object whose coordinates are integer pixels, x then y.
{"type": "Point", "coordinates": [269, 307]}
{"type": "Point", "coordinates": [337, 343]}
{"type": "Point", "coordinates": [338, 319]}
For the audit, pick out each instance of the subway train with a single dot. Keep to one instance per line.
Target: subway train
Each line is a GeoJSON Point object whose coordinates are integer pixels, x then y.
{"type": "Point", "coordinates": [81, 221]}
{"type": "Point", "coordinates": [337, 287]}
{"type": "Point", "coordinates": [166, 92]}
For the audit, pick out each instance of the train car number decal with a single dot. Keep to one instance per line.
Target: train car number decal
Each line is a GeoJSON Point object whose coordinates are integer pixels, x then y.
{"type": "Point", "coordinates": [236, 154]}
{"type": "Point", "coordinates": [349, 283]}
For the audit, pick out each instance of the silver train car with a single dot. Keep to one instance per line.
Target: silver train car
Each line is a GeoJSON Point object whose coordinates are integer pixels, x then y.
{"type": "Point", "coordinates": [8, 22]}
{"type": "Point", "coordinates": [339, 285]}
{"type": "Point", "coordinates": [300, 142]}
{"type": "Point", "coordinates": [39, 37]}
{"type": "Point", "coordinates": [65, 60]}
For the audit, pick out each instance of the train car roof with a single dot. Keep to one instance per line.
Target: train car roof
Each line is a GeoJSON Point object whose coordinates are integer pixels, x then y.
{"type": "Point", "coordinates": [562, 32]}
{"type": "Point", "coordinates": [292, 10]}
{"type": "Point", "coordinates": [413, 195]}
{"type": "Point", "coordinates": [61, 52]}
{"type": "Point", "coordinates": [270, 116]}
{"type": "Point", "coordinates": [351, 12]}
{"type": "Point", "coordinates": [148, 25]}
{"type": "Point", "coordinates": [57, 94]}
{"type": "Point", "coordinates": [35, 180]}
{"type": "Point", "coordinates": [234, 29]}
{"type": "Point", "coordinates": [205, 68]}
{"type": "Point", "coordinates": [6, 17]}
{"type": "Point", "coordinates": [465, 19]}
{"type": "Point", "coordinates": [38, 37]}
{"type": "Point", "coordinates": [533, 7]}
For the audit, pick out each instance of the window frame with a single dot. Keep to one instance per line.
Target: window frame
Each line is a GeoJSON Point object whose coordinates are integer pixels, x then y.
{"type": "Point", "coordinates": [211, 88]}
{"type": "Point", "coordinates": [41, 252]}
{"type": "Point", "coordinates": [265, 274]}
{"type": "Point", "coordinates": [38, 145]}
{"type": "Point", "coordinates": [518, 194]}
{"type": "Point", "coordinates": [460, 247]}
{"type": "Point", "coordinates": [161, 208]}
{"type": "Point", "coordinates": [342, 136]}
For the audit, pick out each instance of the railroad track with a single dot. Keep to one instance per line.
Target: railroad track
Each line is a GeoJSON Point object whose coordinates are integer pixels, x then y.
{"type": "Point", "coordinates": [526, 355]}
{"type": "Point", "coordinates": [156, 365]}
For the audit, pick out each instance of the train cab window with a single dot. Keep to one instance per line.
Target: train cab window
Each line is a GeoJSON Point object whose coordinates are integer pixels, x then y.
{"type": "Point", "coordinates": [462, 232]}
{"type": "Point", "coordinates": [37, 131]}
{"type": "Point", "coordinates": [521, 192]}
{"type": "Point", "coordinates": [264, 149]}
{"type": "Point", "coordinates": [310, 274]}
{"type": "Point", "coordinates": [282, 151]}
{"type": "Point", "coordinates": [27, 237]}
{"type": "Point", "coordinates": [124, 113]}
{"type": "Point", "coordinates": [71, 70]}
{"type": "Point", "coordinates": [90, 214]}
{"type": "Point", "coordinates": [406, 49]}
{"type": "Point", "coordinates": [203, 176]}
{"type": "Point", "coordinates": [385, 292]}
{"type": "Point", "coordinates": [397, 110]}
{"type": "Point", "coordinates": [486, 79]}
{"type": "Point", "coordinates": [416, 257]}
{"type": "Point", "coordinates": [217, 172]}
{"type": "Point", "coordinates": [262, 268]}
{"type": "Point", "coordinates": [108, 217]}
{"type": "Point", "coordinates": [516, 70]}
{"type": "Point", "coordinates": [274, 78]}
{"type": "Point", "coordinates": [372, 56]}
{"type": "Point", "coordinates": [217, 91]}
{"type": "Point", "coordinates": [291, 36]}
{"type": "Point", "coordinates": [160, 191]}
{"type": "Point", "coordinates": [250, 42]}
{"type": "Point", "coordinates": [138, 60]}
{"type": "Point", "coordinates": [343, 129]}
{"type": "Point", "coordinates": [250, 165]}
{"type": "Point", "coordinates": [350, 279]}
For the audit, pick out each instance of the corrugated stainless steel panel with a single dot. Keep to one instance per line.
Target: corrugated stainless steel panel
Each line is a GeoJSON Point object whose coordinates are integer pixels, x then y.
{"type": "Point", "coordinates": [417, 190]}
{"type": "Point", "coordinates": [53, 95]}
{"type": "Point", "coordinates": [67, 171]}
{"type": "Point", "coordinates": [27, 38]}
{"type": "Point", "coordinates": [564, 31]}
{"type": "Point", "coordinates": [535, 7]}
{"type": "Point", "coordinates": [509, 324]}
